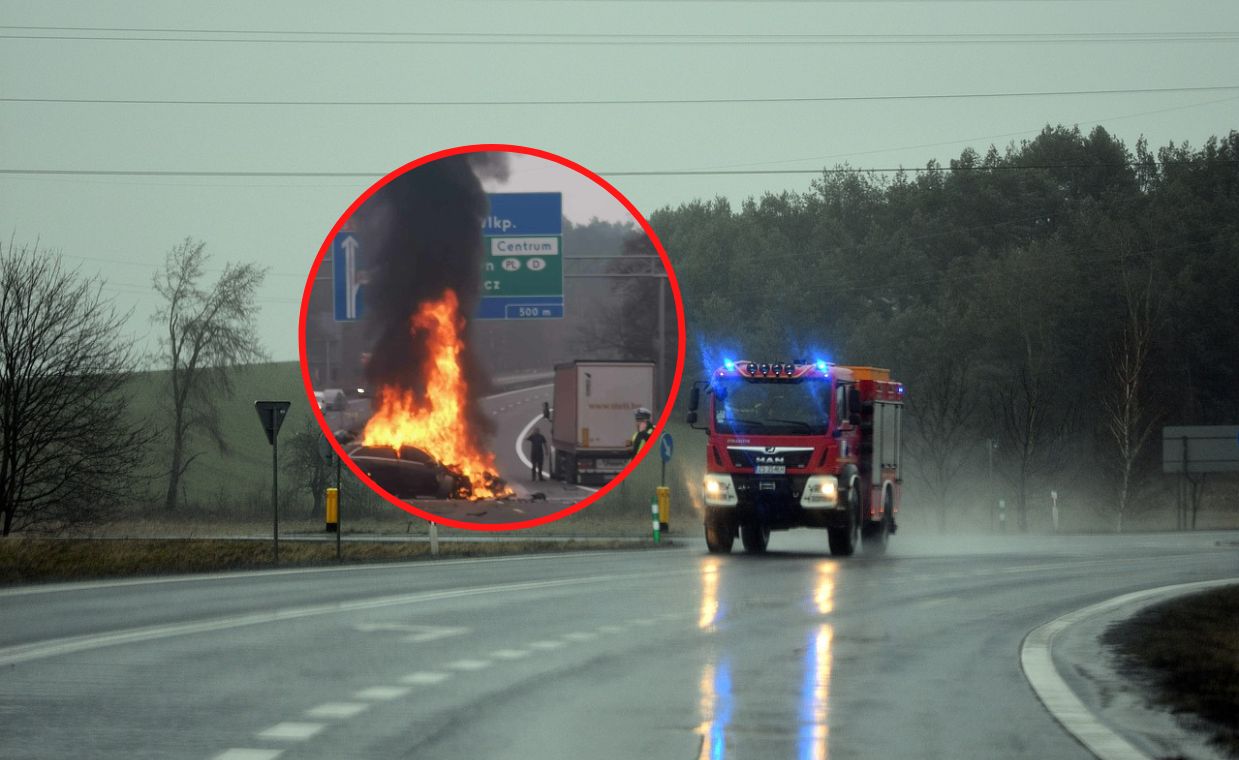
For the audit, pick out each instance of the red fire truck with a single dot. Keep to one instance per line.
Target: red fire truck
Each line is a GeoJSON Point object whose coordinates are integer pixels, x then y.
{"type": "Point", "coordinates": [804, 444]}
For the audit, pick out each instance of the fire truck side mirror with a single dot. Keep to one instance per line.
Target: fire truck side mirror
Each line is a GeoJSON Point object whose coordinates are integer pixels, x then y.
{"type": "Point", "coordinates": [546, 410]}
{"type": "Point", "coordinates": [853, 405]}
{"type": "Point", "coordinates": [691, 418]}
{"type": "Point", "coordinates": [694, 400]}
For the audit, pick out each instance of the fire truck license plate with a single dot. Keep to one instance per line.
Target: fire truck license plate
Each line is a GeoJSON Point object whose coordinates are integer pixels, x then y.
{"type": "Point", "coordinates": [771, 469]}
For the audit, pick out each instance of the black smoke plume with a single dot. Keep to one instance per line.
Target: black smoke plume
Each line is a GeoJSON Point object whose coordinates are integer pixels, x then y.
{"type": "Point", "coordinates": [424, 236]}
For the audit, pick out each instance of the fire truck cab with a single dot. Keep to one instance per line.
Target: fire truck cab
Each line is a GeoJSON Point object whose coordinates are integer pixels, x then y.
{"type": "Point", "coordinates": [800, 444]}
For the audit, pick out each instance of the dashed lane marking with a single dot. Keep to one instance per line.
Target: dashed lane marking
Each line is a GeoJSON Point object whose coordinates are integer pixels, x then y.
{"type": "Point", "coordinates": [241, 753]}
{"type": "Point", "coordinates": [610, 629]}
{"type": "Point", "coordinates": [425, 677]}
{"type": "Point", "coordinates": [546, 645]}
{"type": "Point", "coordinates": [509, 654]}
{"type": "Point", "coordinates": [469, 664]}
{"type": "Point", "coordinates": [580, 636]}
{"type": "Point", "coordinates": [292, 731]}
{"type": "Point", "coordinates": [382, 693]}
{"type": "Point", "coordinates": [337, 710]}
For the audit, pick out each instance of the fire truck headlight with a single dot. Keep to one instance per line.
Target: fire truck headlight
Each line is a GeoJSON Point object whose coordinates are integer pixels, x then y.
{"type": "Point", "coordinates": [820, 491]}
{"type": "Point", "coordinates": [719, 490]}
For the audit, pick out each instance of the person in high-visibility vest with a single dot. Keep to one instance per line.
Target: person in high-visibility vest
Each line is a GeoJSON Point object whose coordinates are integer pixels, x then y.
{"type": "Point", "coordinates": [645, 428]}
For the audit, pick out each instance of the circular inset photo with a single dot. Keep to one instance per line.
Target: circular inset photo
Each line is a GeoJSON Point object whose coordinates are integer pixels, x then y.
{"type": "Point", "coordinates": [491, 337]}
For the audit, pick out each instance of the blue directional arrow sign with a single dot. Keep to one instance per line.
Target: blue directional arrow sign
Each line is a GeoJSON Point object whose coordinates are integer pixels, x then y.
{"type": "Point", "coordinates": [665, 447]}
{"type": "Point", "coordinates": [346, 285]}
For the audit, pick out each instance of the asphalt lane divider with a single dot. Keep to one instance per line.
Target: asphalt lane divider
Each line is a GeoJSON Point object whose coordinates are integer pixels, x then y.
{"type": "Point", "coordinates": [295, 731]}
{"type": "Point", "coordinates": [73, 644]}
{"type": "Point", "coordinates": [1036, 659]}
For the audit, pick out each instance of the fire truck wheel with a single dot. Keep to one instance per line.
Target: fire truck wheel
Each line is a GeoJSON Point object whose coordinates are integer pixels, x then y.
{"type": "Point", "coordinates": [755, 537]}
{"type": "Point", "coordinates": [720, 534]}
{"type": "Point", "coordinates": [843, 539]}
{"type": "Point", "coordinates": [875, 535]}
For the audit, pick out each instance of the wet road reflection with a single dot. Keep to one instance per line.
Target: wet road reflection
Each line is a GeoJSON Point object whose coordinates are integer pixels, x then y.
{"type": "Point", "coordinates": [811, 741]}
{"type": "Point", "coordinates": [710, 611]}
{"type": "Point", "coordinates": [716, 708]}
{"type": "Point", "coordinates": [722, 712]}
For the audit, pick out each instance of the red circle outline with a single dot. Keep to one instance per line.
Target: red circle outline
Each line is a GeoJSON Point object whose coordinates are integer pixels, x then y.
{"type": "Point", "coordinates": [667, 404]}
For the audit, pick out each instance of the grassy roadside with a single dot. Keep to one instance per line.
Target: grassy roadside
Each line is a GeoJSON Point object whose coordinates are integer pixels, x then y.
{"type": "Point", "coordinates": [44, 560]}
{"type": "Point", "coordinates": [1188, 650]}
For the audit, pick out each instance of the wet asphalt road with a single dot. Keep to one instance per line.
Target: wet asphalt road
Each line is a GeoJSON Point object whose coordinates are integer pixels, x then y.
{"type": "Point", "coordinates": [651, 654]}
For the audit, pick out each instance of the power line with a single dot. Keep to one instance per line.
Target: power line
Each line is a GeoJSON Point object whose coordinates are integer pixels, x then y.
{"type": "Point", "coordinates": [344, 37]}
{"type": "Point", "coordinates": [652, 173]}
{"type": "Point", "coordinates": [626, 102]}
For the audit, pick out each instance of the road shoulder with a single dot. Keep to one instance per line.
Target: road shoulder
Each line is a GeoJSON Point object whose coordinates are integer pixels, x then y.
{"type": "Point", "coordinates": [1080, 682]}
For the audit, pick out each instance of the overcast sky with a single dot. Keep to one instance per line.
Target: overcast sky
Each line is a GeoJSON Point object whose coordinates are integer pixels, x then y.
{"type": "Point", "coordinates": [873, 54]}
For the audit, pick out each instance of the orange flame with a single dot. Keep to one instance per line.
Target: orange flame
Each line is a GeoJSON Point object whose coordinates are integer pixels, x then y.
{"type": "Point", "coordinates": [437, 423]}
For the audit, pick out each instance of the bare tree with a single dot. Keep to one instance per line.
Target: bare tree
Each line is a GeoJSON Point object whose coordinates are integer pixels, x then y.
{"type": "Point", "coordinates": [1128, 419]}
{"type": "Point", "coordinates": [308, 464]}
{"type": "Point", "coordinates": [69, 448]}
{"type": "Point", "coordinates": [207, 333]}
{"type": "Point", "coordinates": [1027, 406]}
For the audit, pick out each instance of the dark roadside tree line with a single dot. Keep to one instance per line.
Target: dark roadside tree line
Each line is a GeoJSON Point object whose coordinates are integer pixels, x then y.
{"type": "Point", "coordinates": [71, 447]}
{"type": "Point", "coordinates": [1060, 300]}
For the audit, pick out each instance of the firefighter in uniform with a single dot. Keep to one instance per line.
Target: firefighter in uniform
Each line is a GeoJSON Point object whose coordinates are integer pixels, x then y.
{"type": "Point", "coordinates": [645, 427]}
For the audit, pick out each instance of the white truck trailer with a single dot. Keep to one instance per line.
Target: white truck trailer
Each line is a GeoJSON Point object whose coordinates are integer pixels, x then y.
{"type": "Point", "coordinates": [592, 422]}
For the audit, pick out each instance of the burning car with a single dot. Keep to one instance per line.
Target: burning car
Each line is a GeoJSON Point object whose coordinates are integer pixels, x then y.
{"type": "Point", "coordinates": [410, 472]}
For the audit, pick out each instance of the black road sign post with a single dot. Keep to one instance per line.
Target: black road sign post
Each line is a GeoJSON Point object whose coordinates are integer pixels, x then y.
{"type": "Point", "coordinates": [329, 455]}
{"type": "Point", "coordinates": [271, 414]}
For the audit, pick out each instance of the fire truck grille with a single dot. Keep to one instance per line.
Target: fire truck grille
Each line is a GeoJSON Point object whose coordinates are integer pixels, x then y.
{"type": "Point", "coordinates": [754, 457]}
{"type": "Point", "coordinates": [749, 487]}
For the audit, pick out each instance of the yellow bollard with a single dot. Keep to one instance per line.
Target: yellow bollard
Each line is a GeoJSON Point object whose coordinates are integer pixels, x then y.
{"type": "Point", "coordinates": [333, 510]}
{"type": "Point", "coordinates": [664, 507]}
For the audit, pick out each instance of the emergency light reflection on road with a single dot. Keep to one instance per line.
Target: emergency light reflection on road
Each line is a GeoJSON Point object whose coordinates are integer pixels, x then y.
{"type": "Point", "coordinates": [715, 710]}
{"type": "Point", "coordinates": [815, 696]}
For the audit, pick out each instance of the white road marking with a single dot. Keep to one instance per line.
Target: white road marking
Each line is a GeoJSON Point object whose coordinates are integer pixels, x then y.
{"type": "Point", "coordinates": [73, 644]}
{"type": "Point", "coordinates": [645, 621]}
{"type": "Point", "coordinates": [240, 753]}
{"type": "Point", "coordinates": [520, 449]}
{"type": "Point", "coordinates": [509, 654]}
{"type": "Point", "coordinates": [1038, 665]}
{"type": "Point", "coordinates": [382, 693]}
{"type": "Point", "coordinates": [469, 664]}
{"type": "Point", "coordinates": [52, 588]}
{"type": "Point", "coordinates": [522, 390]}
{"type": "Point", "coordinates": [425, 677]}
{"type": "Point", "coordinates": [610, 629]}
{"type": "Point", "coordinates": [292, 731]}
{"type": "Point", "coordinates": [546, 645]}
{"type": "Point", "coordinates": [417, 633]}
{"type": "Point", "coordinates": [580, 636]}
{"type": "Point", "coordinates": [338, 710]}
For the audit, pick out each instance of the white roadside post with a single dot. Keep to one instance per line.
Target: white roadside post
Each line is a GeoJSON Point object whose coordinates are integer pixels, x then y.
{"type": "Point", "coordinates": [434, 539]}
{"type": "Point", "coordinates": [654, 518]}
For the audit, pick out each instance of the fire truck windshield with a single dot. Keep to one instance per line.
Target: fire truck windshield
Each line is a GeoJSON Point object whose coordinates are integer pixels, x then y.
{"type": "Point", "coordinates": [759, 408]}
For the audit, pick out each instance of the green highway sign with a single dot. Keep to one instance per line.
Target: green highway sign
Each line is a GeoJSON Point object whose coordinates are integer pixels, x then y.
{"type": "Point", "coordinates": [522, 269]}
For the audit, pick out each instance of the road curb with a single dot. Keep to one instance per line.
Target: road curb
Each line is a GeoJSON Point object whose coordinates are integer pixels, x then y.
{"type": "Point", "coordinates": [1037, 663]}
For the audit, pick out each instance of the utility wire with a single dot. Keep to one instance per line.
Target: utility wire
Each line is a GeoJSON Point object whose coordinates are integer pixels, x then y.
{"type": "Point", "coordinates": [652, 173]}
{"type": "Point", "coordinates": [624, 102]}
{"type": "Point", "coordinates": [338, 37]}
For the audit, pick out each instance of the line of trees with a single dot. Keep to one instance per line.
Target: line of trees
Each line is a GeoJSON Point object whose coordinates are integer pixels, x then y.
{"type": "Point", "coordinates": [1057, 301]}
{"type": "Point", "coordinates": [71, 448]}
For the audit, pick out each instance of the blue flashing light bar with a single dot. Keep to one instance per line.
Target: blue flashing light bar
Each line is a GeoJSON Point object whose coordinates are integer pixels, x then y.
{"type": "Point", "coordinates": [729, 364]}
